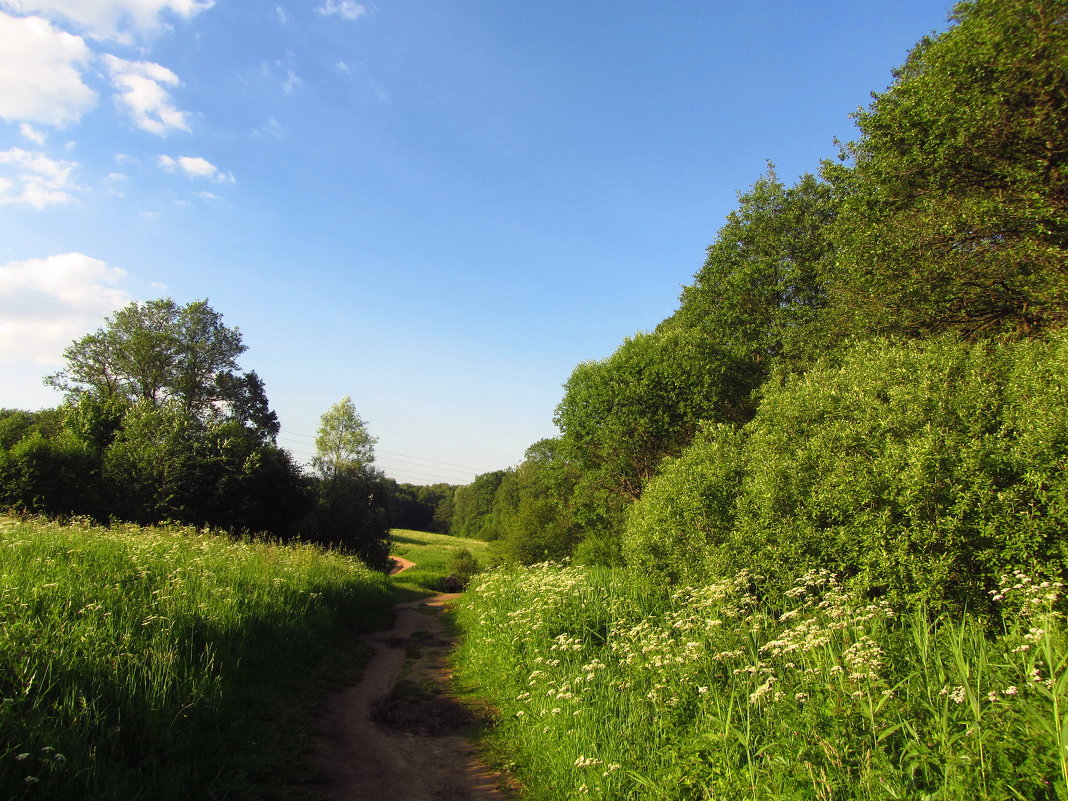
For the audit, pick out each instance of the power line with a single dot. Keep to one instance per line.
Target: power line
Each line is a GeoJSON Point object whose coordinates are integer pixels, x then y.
{"type": "Point", "coordinates": [466, 467]}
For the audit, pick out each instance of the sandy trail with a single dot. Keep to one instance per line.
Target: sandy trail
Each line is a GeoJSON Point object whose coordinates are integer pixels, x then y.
{"type": "Point", "coordinates": [398, 735]}
{"type": "Point", "coordinates": [398, 564]}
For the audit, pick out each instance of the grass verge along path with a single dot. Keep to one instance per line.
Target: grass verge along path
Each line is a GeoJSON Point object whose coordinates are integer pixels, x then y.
{"type": "Point", "coordinates": [168, 663]}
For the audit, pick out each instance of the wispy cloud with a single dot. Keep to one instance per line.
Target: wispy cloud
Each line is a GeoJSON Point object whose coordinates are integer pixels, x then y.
{"type": "Point", "coordinates": [34, 179]}
{"type": "Point", "coordinates": [195, 167]}
{"type": "Point", "coordinates": [40, 72]}
{"type": "Point", "coordinates": [143, 90]}
{"type": "Point", "coordinates": [27, 131]}
{"type": "Point", "coordinates": [346, 9]}
{"type": "Point", "coordinates": [281, 16]}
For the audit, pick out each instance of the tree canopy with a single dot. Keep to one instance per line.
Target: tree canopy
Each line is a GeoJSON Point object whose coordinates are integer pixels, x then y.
{"type": "Point", "coordinates": [761, 288]}
{"type": "Point", "coordinates": [956, 208]}
{"type": "Point", "coordinates": [343, 443]}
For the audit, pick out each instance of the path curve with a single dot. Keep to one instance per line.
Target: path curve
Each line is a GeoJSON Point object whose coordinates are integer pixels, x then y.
{"type": "Point", "coordinates": [398, 564]}
{"type": "Point", "coordinates": [399, 735]}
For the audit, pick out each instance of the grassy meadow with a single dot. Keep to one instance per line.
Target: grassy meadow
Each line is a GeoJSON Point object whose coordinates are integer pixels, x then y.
{"type": "Point", "coordinates": [715, 693]}
{"type": "Point", "coordinates": [168, 663]}
{"type": "Point", "coordinates": [431, 554]}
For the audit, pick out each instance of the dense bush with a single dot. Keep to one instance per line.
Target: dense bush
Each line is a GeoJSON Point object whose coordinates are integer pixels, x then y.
{"type": "Point", "coordinates": [915, 470]}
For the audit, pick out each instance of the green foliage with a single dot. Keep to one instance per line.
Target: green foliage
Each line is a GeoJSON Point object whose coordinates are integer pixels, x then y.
{"type": "Point", "coordinates": [416, 506]}
{"type": "Point", "coordinates": [533, 507]}
{"type": "Point", "coordinates": [716, 692]}
{"type": "Point", "coordinates": [157, 351]}
{"type": "Point", "coordinates": [956, 211]}
{"type": "Point", "coordinates": [687, 513]}
{"type": "Point", "coordinates": [760, 291]}
{"type": "Point", "coordinates": [165, 663]}
{"type": "Point", "coordinates": [917, 471]}
{"type": "Point", "coordinates": [48, 475]}
{"type": "Point", "coordinates": [472, 508]}
{"type": "Point", "coordinates": [621, 416]}
{"type": "Point", "coordinates": [352, 507]}
{"type": "Point", "coordinates": [343, 443]}
{"type": "Point", "coordinates": [463, 566]}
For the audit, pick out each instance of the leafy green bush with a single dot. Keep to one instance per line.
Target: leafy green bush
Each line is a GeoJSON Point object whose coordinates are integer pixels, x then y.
{"type": "Point", "coordinates": [463, 566]}
{"type": "Point", "coordinates": [917, 471]}
{"type": "Point", "coordinates": [687, 512]}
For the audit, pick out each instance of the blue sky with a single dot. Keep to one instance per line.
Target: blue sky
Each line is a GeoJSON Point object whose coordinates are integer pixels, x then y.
{"type": "Point", "coordinates": [435, 207]}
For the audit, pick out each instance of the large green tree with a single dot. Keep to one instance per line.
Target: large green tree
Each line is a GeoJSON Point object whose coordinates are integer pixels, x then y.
{"type": "Point", "coordinates": [760, 292]}
{"type": "Point", "coordinates": [352, 510]}
{"type": "Point", "coordinates": [622, 415]}
{"type": "Point", "coordinates": [956, 206]}
{"type": "Point", "coordinates": [160, 352]}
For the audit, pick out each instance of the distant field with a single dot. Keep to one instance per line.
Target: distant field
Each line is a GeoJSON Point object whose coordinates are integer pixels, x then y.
{"type": "Point", "coordinates": [167, 663]}
{"type": "Point", "coordinates": [431, 554]}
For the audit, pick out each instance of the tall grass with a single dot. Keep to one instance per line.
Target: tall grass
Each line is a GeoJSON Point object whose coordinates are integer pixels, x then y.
{"type": "Point", "coordinates": [715, 693]}
{"type": "Point", "coordinates": [164, 663]}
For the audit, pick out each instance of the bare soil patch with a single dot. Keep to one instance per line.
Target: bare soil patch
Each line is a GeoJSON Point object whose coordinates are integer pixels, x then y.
{"type": "Point", "coordinates": [400, 735]}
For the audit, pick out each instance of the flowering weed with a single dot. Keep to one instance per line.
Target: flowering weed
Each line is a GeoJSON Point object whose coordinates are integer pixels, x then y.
{"type": "Point", "coordinates": [717, 692]}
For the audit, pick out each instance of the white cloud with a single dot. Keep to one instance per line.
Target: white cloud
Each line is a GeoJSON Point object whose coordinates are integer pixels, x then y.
{"type": "Point", "coordinates": [31, 133]}
{"type": "Point", "coordinates": [196, 167]}
{"type": "Point", "coordinates": [118, 20]}
{"type": "Point", "coordinates": [35, 179]}
{"type": "Point", "coordinates": [291, 82]}
{"type": "Point", "coordinates": [45, 304]}
{"type": "Point", "coordinates": [142, 86]}
{"type": "Point", "coordinates": [280, 15]}
{"type": "Point", "coordinates": [40, 78]}
{"type": "Point", "coordinates": [346, 9]}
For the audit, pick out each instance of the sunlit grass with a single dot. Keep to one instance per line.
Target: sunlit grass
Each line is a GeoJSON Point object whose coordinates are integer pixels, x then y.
{"type": "Point", "coordinates": [715, 693]}
{"type": "Point", "coordinates": [165, 663]}
{"type": "Point", "coordinates": [431, 554]}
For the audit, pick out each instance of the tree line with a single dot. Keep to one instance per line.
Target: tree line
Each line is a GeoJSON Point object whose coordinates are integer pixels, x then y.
{"type": "Point", "coordinates": [867, 374]}
{"type": "Point", "coordinates": [160, 424]}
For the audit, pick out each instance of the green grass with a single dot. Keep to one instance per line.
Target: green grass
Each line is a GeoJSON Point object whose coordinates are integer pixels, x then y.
{"type": "Point", "coordinates": [431, 554]}
{"type": "Point", "coordinates": [714, 693]}
{"type": "Point", "coordinates": [167, 663]}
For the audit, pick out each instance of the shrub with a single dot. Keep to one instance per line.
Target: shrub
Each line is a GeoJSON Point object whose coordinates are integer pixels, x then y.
{"type": "Point", "coordinates": [916, 471]}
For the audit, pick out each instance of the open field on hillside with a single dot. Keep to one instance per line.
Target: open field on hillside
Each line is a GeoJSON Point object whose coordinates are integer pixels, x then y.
{"type": "Point", "coordinates": [167, 663]}
{"type": "Point", "coordinates": [431, 554]}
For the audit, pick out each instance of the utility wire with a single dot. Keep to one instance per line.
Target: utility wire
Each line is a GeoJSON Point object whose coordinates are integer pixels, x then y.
{"type": "Point", "coordinates": [465, 467]}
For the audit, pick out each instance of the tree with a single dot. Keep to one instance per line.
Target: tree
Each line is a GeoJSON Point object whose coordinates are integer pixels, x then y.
{"type": "Point", "coordinates": [621, 416]}
{"type": "Point", "coordinates": [343, 444]}
{"type": "Point", "coordinates": [761, 290]}
{"type": "Point", "coordinates": [955, 214]}
{"type": "Point", "coordinates": [158, 351]}
{"type": "Point", "coordinates": [352, 511]}
{"type": "Point", "coordinates": [472, 511]}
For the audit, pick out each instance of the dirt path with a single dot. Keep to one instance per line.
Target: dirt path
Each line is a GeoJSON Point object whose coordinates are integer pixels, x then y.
{"type": "Point", "coordinates": [398, 564]}
{"type": "Point", "coordinates": [398, 735]}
